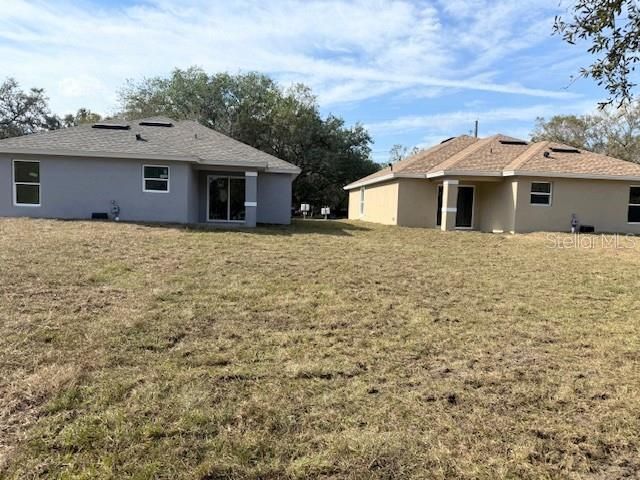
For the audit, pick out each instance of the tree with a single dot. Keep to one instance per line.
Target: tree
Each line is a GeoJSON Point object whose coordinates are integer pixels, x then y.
{"type": "Point", "coordinates": [82, 116]}
{"type": "Point", "coordinates": [614, 132]}
{"type": "Point", "coordinates": [400, 152]}
{"type": "Point", "coordinates": [23, 112]}
{"type": "Point", "coordinates": [254, 109]}
{"type": "Point", "coordinates": [613, 29]}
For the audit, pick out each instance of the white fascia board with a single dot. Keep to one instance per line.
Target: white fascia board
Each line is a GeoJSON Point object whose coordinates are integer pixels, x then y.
{"type": "Point", "coordinates": [463, 173]}
{"type": "Point", "coordinates": [91, 154]}
{"type": "Point", "coordinates": [238, 163]}
{"type": "Point", "coordinates": [583, 176]}
{"type": "Point", "coordinates": [290, 172]}
{"type": "Point", "coordinates": [383, 178]}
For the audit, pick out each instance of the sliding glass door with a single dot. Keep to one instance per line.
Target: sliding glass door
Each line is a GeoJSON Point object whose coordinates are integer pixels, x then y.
{"type": "Point", "coordinates": [225, 199]}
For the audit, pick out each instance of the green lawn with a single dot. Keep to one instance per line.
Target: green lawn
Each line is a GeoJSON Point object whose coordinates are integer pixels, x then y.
{"type": "Point", "coordinates": [338, 349]}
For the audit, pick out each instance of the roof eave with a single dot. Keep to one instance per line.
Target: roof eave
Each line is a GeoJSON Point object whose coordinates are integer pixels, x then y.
{"type": "Point", "coordinates": [583, 176]}
{"type": "Point", "coordinates": [85, 153]}
{"type": "Point", "coordinates": [383, 178]}
{"type": "Point", "coordinates": [464, 173]}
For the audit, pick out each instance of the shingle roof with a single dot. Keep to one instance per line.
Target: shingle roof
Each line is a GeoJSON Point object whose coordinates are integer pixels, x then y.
{"type": "Point", "coordinates": [185, 140]}
{"type": "Point", "coordinates": [500, 155]}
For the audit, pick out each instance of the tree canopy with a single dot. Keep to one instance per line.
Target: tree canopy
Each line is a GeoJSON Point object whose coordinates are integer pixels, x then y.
{"type": "Point", "coordinates": [254, 109]}
{"type": "Point", "coordinates": [23, 112]}
{"type": "Point", "coordinates": [612, 28]}
{"type": "Point", "coordinates": [614, 132]}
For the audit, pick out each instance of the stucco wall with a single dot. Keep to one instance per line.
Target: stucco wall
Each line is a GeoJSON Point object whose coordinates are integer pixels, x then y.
{"type": "Point", "coordinates": [380, 203]}
{"type": "Point", "coordinates": [74, 188]}
{"type": "Point", "coordinates": [417, 202]}
{"type": "Point", "coordinates": [274, 198]}
{"type": "Point", "coordinates": [495, 207]}
{"type": "Point", "coordinates": [601, 203]}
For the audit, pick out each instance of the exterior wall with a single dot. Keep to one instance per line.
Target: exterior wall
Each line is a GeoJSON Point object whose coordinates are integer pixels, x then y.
{"type": "Point", "coordinates": [274, 198]}
{"type": "Point", "coordinates": [496, 206]}
{"type": "Point", "coordinates": [74, 188]}
{"type": "Point", "coordinates": [194, 196]}
{"type": "Point", "coordinates": [380, 203]}
{"type": "Point", "coordinates": [417, 202]}
{"type": "Point", "coordinates": [601, 203]}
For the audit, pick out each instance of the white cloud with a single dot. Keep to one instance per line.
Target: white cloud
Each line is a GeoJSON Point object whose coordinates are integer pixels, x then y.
{"type": "Point", "coordinates": [346, 50]}
{"type": "Point", "coordinates": [461, 121]}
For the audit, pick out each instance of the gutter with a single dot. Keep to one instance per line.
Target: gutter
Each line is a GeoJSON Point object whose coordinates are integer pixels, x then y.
{"type": "Point", "coordinates": [119, 155]}
{"type": "Point", "coordinates": [138, 156]}
{"type": "Point", "coordinates": [383, 178]}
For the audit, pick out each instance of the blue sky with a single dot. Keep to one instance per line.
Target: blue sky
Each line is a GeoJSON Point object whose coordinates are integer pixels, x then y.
{"type": "Point", "coordinates": [413, 72]}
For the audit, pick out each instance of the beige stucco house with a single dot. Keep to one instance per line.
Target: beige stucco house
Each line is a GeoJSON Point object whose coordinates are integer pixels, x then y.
{"type": "Point", "coordinates": [502, 184]}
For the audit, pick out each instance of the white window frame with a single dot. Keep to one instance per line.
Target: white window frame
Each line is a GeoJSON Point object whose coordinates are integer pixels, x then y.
{"type": "Point", "coordinates": [362, 189]}
{"type": "Point", "coordinates": [629, 204]}
{"type": "Point", "coordinates": [168, 179]}
{"type": "Point", "coordinates": [228, 177]}
{"type": "Point", "coordinates": [549, 195]}
{"type": "Point", "coordinates": [15, 184]}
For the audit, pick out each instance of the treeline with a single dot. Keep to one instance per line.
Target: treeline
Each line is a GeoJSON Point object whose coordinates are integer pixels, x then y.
{"type": "Point", "coordinates": [251, 108]}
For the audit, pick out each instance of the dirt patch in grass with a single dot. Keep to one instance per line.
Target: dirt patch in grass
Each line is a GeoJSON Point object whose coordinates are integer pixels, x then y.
{"type": "Point", "coordinates": [338, 350]}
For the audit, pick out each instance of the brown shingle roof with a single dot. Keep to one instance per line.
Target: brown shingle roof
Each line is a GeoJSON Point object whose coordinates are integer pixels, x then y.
{"type": "Point", "coordinates": [500, 155]}
{"type": "Point", "coordinates": [583, 163]}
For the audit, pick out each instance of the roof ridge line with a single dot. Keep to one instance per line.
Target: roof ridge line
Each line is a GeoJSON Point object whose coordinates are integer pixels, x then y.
{"type": "Point", "coordinates": [434, 148]}
{"type": "Point", "coordinates": [525, 156]}
{"type": "Point", "coordinates": [462, 154]}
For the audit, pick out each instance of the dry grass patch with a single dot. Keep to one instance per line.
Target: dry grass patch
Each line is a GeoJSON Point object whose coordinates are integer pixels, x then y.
{"type": "Point", "coordinates": [338, 349]}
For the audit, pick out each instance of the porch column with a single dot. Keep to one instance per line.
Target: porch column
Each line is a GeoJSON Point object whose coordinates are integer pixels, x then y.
{"type": "Point", "coordinates": [449, 204]}
{"type": "Point", "coordinates": [250, 198]}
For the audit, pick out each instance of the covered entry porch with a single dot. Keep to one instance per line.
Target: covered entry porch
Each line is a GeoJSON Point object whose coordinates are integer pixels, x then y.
{"type": "Point", "coordinates": [475, 203]}
{"type": "Point", "coordinates": [228, 197]}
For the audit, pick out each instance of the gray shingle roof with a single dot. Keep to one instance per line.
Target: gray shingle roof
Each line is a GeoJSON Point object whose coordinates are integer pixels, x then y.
{"type": "Point", "coordinates": [185, 141]}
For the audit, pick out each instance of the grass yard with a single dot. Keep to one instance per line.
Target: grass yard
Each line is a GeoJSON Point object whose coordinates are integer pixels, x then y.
{"type": "Point", "coordinates": [336, 350]}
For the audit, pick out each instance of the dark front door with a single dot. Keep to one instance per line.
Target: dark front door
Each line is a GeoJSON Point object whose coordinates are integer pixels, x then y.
{"type": "Point", "coordinates": [464, 214]}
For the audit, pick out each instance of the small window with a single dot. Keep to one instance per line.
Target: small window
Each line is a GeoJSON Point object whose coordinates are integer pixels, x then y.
{"type": "Point", "coordinates": [633, 214]}
{"type": "Point", "coordinates": [26, 183]}
{"type": "Point", "coordinates": [156, 178]}
{"type": "Point", "coordinates": [361, 200]}
{"type": "Point", "coordinates": [541, 193]}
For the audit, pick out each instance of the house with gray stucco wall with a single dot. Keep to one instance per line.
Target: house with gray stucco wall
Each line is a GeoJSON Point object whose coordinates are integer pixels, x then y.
{"type": "Point", "coordinates": [149, 170]}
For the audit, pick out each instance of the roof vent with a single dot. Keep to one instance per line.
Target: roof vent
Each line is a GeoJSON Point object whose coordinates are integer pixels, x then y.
{"type": "Point", "coordinates": [565, 150]}
{"type": "Point", "coordinates": [447, 139]}
{"type": "Point", "coordinates": [155, 124]}
{"type": "Point", "coordinates": [513, 142]}
{"type": "Point", "coordinates": [111, 126]}
{"type": "Point", "coordinates": [546, 154]}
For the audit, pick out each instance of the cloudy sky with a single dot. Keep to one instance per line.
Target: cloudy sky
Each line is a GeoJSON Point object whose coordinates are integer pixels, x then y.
{"type": "Point", "coordinates": [413, 72]}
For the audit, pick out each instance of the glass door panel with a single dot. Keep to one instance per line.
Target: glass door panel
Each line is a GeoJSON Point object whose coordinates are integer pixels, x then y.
{"type": "Point", "coordinates": [218, 198]}
{"type": "Point", "coordinates": [236, 199]}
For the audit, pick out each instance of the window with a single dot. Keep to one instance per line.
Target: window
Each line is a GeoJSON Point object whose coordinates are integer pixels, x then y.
{"type": "Point", "coordinates": [361, 200]}
{"type": "Point", "coordinates": [26, 183]}
{"type": "Point", "coordinates": [633, 214]}
{"type": "Point", "coordinates": [541, 193]}
{"type": "Point", "coordinates": [155, 178]}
